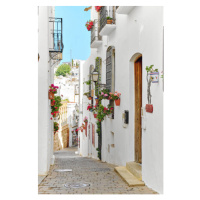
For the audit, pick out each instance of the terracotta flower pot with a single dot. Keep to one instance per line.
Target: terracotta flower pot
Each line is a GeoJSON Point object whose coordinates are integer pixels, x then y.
{"type": "Point", "coordinates": [90, 98]}
{"type": "Point", "coordinates": [109, 21]}
{"type": "Point", "coordinates": [51, 95]}
{"type": "Point", "coordinates": [117, 102]}
{"type": "Point", "coordinates": [52, 103]}
{"type": "Point", "coordinates": [95, 115]}
{"type": "Point", "coordinates": [55, 115]}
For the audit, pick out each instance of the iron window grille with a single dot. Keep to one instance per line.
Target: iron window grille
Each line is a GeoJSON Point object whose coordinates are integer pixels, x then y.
{"type": "Point", "coordinates": [104, 13]}
{"type": "Point", "coordinates": [95, 31]}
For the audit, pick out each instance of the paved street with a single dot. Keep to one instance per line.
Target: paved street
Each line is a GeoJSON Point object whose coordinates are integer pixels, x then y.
{"type": "Point", "coordinates": [101, 177]}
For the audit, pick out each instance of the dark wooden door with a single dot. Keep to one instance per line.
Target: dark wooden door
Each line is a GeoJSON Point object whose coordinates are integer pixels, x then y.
{"type": "Point", "coordinates": [138, 105]}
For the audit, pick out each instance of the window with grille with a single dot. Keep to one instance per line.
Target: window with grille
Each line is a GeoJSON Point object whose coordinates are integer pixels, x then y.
{"type": "Point", "coordinates": [110, 73]}
{"type": "Point", "coordinates": [98, 68]}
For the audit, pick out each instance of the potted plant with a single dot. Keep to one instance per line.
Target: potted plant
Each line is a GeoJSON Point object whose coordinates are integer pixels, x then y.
{"type": "Point", "coordinates": [104, 94]}
{"type": "Point", "coordinates": [90, 98]}
{"type": "Point", "coordinates": [89, 24]}
{"type": "Point", "coordinates": [52, 91]}
{"type": "Point", "coordinates": [115, 96]}
{"type": "Point", "coordinates": [109, 20]}
{"type": "Point", "coordinates": [56, 127]}
{"type": "Point", "coordinates": [97, 100]}
{"type": "Point", "coordinates": [98, 8]}
{"type": "Point", "coordinates": [52, 102]}
{"type": "Point", "coordinates": [56, 106]}
{"type": "Point", "coordinates": [90, 108]}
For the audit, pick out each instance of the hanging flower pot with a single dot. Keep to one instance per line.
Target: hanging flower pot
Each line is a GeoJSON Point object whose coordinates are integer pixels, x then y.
{"type": "Point", "coordinates": [51, 95]}
{"type": "Point", "coordinates": [109, 20]}
{"type": "Point", "coordinates": [117, 102]}
{"type": "Point", "coordinates": [52, 102]}
{"type": "Point", "coordinates": [95, 115]}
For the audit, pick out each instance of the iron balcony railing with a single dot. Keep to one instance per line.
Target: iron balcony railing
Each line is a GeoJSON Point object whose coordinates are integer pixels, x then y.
{"type": "Point", "coordinates": [95, 31]}
{"type": "Point", "coordinates": [104, 13]}
{"type": "Point", "coordinates": [56, 38]}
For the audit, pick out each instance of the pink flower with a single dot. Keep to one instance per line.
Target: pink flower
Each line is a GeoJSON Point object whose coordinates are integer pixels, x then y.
{"type": "Point", "coordinates": [102, 93]}
{"type": "Point", "coordinates": [54, 90]}
{"type": "Point", "coordinates": [52, 85]}
{"type": "Point", "coordinates": [51, 113]}
{"type": "Point", "coordinates": [105, 95]}
{"type": "Point", "coordinates": [51, 118]}
{"type": "Point", "coordinates": [50, 90]}
{"type": "Point", "coordinates": [115, 95]}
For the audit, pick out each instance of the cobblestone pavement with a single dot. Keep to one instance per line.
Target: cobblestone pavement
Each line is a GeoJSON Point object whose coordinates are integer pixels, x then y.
{"type": "Point", "coordinates": [101, 177]}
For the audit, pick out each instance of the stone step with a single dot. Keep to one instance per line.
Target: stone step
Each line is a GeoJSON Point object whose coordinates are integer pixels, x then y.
{"type": "Point", "coordinates": [135, 169]}
{"type": "Point", "coordinates": [128, 177]}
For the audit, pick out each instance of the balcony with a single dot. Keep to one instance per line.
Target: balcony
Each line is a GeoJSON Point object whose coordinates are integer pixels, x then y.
{"type": "Point", "coordinates": [96, 39]}
{"type": "Point", "coordinates": [124, 9]}
{"type": "Point", "coordinates": [105, 27]}
{"type": "Point", "coordinates": [55, 39]}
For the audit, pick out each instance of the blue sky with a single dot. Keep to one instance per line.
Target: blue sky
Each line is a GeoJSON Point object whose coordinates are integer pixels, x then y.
{"type": "Point", "coordinates": [75, 35]}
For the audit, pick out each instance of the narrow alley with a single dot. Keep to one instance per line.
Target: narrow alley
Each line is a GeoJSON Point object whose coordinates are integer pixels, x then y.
{"type": "Point", "coordinates": [100, 176]}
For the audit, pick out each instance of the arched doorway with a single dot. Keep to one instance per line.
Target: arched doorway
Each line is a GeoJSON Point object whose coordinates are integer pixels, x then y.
{"type": "Point", "coordinates": [138, 105]}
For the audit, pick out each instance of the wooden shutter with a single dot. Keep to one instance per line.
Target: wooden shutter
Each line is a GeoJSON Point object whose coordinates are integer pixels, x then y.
{"type": "Point", "coordinates": [109, 69]}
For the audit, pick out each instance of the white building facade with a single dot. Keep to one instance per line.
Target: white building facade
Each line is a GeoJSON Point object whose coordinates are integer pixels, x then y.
{"type": "Point", "coordinates": [133, 41]}
{"type": "Point", "coordinates": [47, 60]}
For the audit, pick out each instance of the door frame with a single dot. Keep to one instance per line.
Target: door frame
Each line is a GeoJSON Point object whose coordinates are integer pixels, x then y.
{"type": "Point", "coordinates": [138, 89]}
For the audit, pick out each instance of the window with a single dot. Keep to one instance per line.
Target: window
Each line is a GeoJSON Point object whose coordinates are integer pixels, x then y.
{"type": "Point", "coordinates": [110, 73]}
{"type": "Point", "coordinates": [98, 68]}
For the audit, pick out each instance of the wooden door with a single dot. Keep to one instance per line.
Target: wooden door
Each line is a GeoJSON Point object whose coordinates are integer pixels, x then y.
{"type": "Point", "coordinates": [138, 105]}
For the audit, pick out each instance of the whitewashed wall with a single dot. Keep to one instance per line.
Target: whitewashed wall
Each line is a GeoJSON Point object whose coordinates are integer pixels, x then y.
{"type": "Point", "coordinates": [139, 32]}
{"type": "Point", "coordinates": [45, 125]}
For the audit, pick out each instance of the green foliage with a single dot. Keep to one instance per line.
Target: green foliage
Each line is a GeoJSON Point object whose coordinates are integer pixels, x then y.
{"type": "Point", "coordinates": [56, 127]}
{"type": "Point", "coordinates": [99, 153]}
{"type": "Point", "coordinates": [87, 82]}
{"type": "Point", "coordinates": [150, 69]}
{"type": "Point", "coordinates": [63, 70]}
{"type": "Point", "coordinates": [66, 100]}
{"type": "Point", "coordinates": [57, 104]}
{"type": "Point", "coordinates": [87, 94]}
{"type": "Point", "coordinates": [109, 18]}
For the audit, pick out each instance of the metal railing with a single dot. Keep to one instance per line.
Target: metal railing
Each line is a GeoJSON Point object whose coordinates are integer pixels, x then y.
{"type": "Point", "coordinates": [95, 31]}
{"type": "Point", "coordinates": [104, 14]}
{"type": "Point", "coordinates": [56, 39]}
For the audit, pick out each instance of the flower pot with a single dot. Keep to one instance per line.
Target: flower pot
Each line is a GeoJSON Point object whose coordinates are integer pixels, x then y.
{"type": "Point", "coordinates": [117, 102]}
{"type": "Point", "coordinates": [52, 103]}
{"type": "Point", "coordinates": [55, 115]}
{"type": "Point", "coordinates": [95, 115]}
{"type": "Point", "coordinates": [97, 101]}
{"type": "Point", "coordinates": [109, 21]}
{"type": "Point", "coordinates": [90, 98]}
{"type": "Point", "coordinates": [51, 95]}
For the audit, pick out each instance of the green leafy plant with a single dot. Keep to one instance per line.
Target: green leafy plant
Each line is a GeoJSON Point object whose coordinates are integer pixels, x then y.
{"type": "Point", "coordinates": [150, 69]}
{"type": "Point", "coordinates": [56, 127]}
{"type": "Point", "coordinates": [87, 82]}
{"type": "Point", "coordinates": [99, 153]}
{"type": "Point", "coordinates": [63, 70]}
{"type": "Point", "coordinates": [56, 106]}
{"type": "Point", "coordinates": [109, 18]}
{"type": "Point", "coordinates": [87, 94]}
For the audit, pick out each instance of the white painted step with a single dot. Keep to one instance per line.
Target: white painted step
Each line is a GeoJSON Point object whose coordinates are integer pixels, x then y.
{"type": "Point", "coordinates": [128, 177]}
